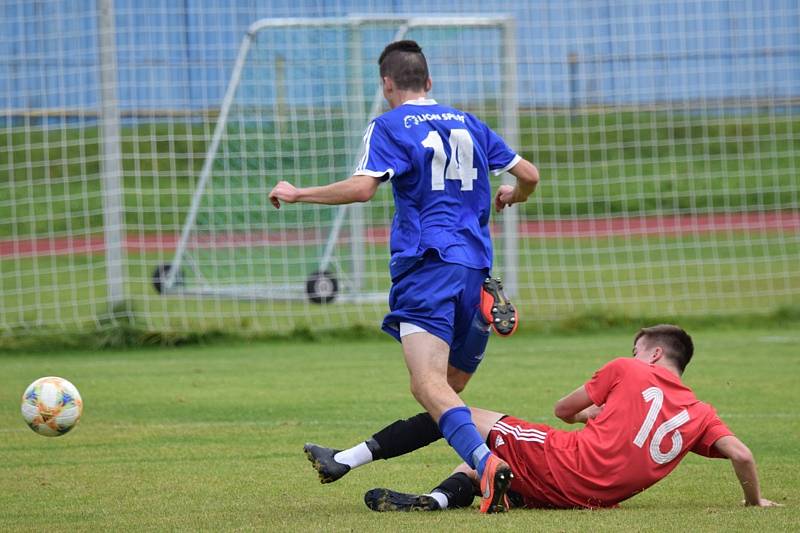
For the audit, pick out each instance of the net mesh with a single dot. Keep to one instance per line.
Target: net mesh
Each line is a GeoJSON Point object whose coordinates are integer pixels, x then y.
{"type": "Point", "coordinates": [666, 134]}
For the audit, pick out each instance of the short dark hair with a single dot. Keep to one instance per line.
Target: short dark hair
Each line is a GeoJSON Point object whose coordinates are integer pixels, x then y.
{"type": "Point", "coordinates": [405, 64]}
{"type": "Point", "coordinates": [676, 343]}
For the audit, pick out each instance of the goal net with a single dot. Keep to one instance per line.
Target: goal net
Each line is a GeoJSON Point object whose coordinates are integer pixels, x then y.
{"type": "Point", "coordinates": [299, 98]}
{"type": "Point", "coordinates": [667, 135]}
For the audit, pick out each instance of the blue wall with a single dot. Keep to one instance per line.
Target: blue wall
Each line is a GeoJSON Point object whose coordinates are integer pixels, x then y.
{"type": "Point", "coordinates": [178, 54]}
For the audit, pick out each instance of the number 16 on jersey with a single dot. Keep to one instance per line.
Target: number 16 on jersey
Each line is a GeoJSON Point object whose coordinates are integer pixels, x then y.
{"type": "Point", "coordinates": [656, 396]}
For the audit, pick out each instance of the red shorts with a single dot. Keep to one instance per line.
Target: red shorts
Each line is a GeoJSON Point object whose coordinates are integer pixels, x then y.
{"type": "Point", "coordinates": [522, 445]}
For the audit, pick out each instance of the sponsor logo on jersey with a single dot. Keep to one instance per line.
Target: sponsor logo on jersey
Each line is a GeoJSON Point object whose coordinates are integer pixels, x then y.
{"type": "Point", "coordinates": [499, 441]}
{"type": "Point", "coordinates": [416, 120]}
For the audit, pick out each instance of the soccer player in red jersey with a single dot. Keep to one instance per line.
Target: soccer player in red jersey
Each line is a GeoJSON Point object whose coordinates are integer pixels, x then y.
{"type": "Point", "coordinates": [641, 420]}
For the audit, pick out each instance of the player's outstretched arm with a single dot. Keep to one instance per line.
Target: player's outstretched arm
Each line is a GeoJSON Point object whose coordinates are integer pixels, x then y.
{"type": "Point", "coordinates": [356, 188]}
{"type": "Point", "coordinates": [745, 467]}
{"type": "Point", "coordinates": [527, 178]}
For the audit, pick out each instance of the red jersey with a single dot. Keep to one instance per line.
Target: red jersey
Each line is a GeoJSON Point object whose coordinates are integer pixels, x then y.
{"type": "Point", "coordinates": [650, 421]}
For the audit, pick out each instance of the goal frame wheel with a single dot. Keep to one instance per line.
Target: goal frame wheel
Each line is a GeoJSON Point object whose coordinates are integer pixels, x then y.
{"type": "Point", "coordinates": [322, 287]}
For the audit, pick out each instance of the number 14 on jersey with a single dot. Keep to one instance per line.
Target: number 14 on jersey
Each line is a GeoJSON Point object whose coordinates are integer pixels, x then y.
{"type": "Point", "coordinates": [461, 155]}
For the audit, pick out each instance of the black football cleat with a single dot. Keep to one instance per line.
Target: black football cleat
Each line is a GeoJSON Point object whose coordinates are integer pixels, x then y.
{"type": "Point", "coordinates": [496, 309]}
{"type": "Point", "coordinates": [323, 462]}
{"type": "Point", "coordinates": [382, 500]}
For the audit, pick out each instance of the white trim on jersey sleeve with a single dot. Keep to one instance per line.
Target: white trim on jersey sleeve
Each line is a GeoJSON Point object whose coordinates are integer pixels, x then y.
{"type": "Point", "coordinates": [374, 173]}
{"type": "Point", "coordinates": [361, 169]}
{"type": "Point", "coordinates": [517, 159]}
{"type": "Point", "coordinates": [365, 146]}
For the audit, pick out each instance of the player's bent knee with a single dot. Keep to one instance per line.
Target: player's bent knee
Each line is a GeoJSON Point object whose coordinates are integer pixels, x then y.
{"type": "Point", "coordinates": [420, 391]}
{"type": "Point", "coordinates": [423, 391]}
{"type": "Point", "coordinates": [429, 392]}
{"type": "Point", "coordinates": [457, 379]}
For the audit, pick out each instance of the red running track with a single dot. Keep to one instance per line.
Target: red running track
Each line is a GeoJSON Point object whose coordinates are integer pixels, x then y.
{"type": "Point", "coordinates": [782, 221]}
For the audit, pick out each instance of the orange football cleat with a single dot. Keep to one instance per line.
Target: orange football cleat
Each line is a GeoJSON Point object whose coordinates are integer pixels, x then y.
{"type": "Point", "coordinates": [495, 482]}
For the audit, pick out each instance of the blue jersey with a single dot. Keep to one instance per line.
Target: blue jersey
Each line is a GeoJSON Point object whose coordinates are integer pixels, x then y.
{"type": "Point", "coordinates": [438, 160]}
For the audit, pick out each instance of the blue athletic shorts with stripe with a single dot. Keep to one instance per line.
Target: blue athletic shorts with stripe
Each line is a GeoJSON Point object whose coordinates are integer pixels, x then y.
{"type": "Point", "coordinates": [443, 299]}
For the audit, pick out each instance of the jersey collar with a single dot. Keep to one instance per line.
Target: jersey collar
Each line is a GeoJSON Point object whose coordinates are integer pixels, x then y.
{"type": "Point", "coordinates": [420, 101]}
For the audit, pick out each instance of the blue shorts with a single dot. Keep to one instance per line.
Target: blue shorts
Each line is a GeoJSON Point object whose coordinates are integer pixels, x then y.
{"type": "Point", "coordinates": [443, 299]}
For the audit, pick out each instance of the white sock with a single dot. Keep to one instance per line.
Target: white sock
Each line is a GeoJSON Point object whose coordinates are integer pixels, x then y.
{"type": "Point", "coordinates": [440, 498]}
{"type": "Point", "coordinates": [356, 456]}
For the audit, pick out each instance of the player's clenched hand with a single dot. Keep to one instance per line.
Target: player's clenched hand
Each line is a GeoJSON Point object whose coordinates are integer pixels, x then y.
{"type": "Point", "coordinates": [283, 191]}
{"type": "Point", "coordinates": [504, 197]}
{"type": "Point", "coordinates": [593, 411]}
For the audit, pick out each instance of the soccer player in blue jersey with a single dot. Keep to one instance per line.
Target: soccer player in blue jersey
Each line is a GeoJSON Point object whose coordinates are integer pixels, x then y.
{"type": "Point", "coordinates": [438, 160]}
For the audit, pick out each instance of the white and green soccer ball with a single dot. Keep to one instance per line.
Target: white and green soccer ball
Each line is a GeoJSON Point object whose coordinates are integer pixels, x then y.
{"type": "Point", "coordinates": [51, 406]}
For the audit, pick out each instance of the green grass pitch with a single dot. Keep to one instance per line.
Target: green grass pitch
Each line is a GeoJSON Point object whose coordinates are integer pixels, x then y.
{"type": "Point", "coordinates": [210, 437]}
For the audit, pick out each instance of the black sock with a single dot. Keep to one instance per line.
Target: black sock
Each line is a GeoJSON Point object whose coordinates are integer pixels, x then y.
{"type": "Point", "coordinates": [459, 490]}
{"type": "Point", "coordinates": [404, 436]}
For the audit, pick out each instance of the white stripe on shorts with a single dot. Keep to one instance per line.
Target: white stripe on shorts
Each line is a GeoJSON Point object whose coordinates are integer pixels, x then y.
{"type": "Point", "coordinates": [520, 433]}
{"type": "Point", "coordinates": [407, 328]}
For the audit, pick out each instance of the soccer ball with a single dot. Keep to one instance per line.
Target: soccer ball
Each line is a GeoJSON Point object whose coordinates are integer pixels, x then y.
{"type": "Point", "coordinates": [51, 406]}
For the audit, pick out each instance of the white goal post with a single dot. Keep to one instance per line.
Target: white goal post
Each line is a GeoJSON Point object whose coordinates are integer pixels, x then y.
{"type": "Point", "coordinates": [290, 116]}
